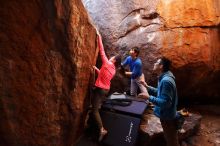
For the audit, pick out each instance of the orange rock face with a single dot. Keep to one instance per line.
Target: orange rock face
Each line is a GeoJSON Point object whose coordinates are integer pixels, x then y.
{"type": "Point", "coordinates": [185, 13]}
{"type": "Point", "coordinates": [46, 51]}
{"type": "Point", "coordinates": [185, 31]}
{"type": "Point", "coordinates": [189, 46]}
{"type": "Point", "coordinates": [192, 41]}
{"type": "Point", "coordinates": [194, 52]}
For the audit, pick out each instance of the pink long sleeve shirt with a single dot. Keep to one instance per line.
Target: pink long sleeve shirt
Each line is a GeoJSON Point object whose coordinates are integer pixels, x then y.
{"type": "Point", "coordinates": [107, 71]}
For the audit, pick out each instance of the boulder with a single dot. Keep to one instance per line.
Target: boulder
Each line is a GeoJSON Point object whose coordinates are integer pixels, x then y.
{"type": "Point", "coordinates": [151, 131]}
{"type": "Point", "coordinates": [47, 49]}
{"type": "Point", "coordinates": [185, 31]}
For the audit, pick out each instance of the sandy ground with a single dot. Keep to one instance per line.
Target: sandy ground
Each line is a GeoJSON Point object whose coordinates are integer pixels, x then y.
{"type": "Point", "coordinates": [209, 132]}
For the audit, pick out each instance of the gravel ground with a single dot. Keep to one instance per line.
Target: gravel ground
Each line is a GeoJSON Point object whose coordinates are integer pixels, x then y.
{"type": "Point", "coordinates": [209, 132]}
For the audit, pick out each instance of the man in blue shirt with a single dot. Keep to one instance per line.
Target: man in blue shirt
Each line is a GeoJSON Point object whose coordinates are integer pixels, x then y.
{"type": "Point", "coordinates": [135, 72]}
{"type": "Point", "coordinates": [165, 100]}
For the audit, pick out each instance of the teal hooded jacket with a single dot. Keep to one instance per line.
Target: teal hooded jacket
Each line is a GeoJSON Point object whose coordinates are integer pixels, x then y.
{"type": "Point", "coordinates": [166, 98]}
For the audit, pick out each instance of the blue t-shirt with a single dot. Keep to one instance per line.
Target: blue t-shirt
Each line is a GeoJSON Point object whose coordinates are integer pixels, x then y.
{"type": "Point", "coordinates": [135, 66]}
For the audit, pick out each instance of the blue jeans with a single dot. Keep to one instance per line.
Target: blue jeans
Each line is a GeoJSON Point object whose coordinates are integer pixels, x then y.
{"type": "Point", "coordinates": [135, 84]}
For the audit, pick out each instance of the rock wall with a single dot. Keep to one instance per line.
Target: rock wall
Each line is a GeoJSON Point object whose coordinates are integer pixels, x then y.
{"type": "Point", "coordinates": [48, 47]}
{"type": "Point", "coordinates": [46, 51]}
{"type": "Point", "coordinates": [185, 31]}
